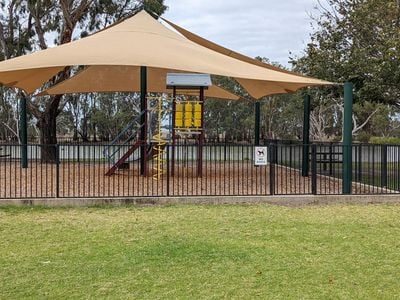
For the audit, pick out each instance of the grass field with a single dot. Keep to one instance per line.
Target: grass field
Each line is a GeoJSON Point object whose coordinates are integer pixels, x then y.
{"type": "Point", "coordinates": [190, 252]}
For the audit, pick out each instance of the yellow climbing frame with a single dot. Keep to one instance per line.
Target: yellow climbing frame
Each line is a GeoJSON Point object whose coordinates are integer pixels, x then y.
{"type": "Point", "coordinates": [159, 143]}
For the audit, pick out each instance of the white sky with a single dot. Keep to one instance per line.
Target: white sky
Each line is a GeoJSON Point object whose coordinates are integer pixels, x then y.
{"type": "Point", "coordinates": [267, 28]}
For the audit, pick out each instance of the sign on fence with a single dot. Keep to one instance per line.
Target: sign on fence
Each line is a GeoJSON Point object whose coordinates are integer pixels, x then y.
{"type": "Point", "coordinates": [260, 156]}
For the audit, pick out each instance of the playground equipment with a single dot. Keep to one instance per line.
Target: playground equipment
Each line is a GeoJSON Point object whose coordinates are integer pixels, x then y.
{"type": "Point", "coordinates": [159, 143]}
{"type": "Point", "coordinates": [187, 121]}
{"type": "Point", "coordinates": [127, 137]}
{"type": "Point", "coordinates": [130, 137]}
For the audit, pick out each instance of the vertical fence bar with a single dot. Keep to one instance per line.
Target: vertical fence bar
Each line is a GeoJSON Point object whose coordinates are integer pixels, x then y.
{"type": "Point", "coordinates": [225, 150]}
{"type": "Point", "coordinates": [384, 165]}
{"type": "Point", "coordinates": [314, 169]}
{"type": "Point", "coordinates": [397, 167]}
{"type": "Point", "coordinates": [272, 169]}
{"type": "Point", "coordinates": [57, 171]}
{"type": "Point", "coordinates": [359, 170]}
{"type": "Point", "coordinates": [331, 158]}
{"type": "Point", "coordinates": [168, 166]}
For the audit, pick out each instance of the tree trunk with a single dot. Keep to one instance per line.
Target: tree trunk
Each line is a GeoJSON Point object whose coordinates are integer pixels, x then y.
{"type": "Point", "coordinates": [85, 130]}
{"type": "Point", "coordinates": [75, 137]}
{"type": "Point", "coordinates": [47, 124]}
{"type": "Point", "coordinates": [94, 133]}
{"type": "Point", "coordinates": [48, 137]}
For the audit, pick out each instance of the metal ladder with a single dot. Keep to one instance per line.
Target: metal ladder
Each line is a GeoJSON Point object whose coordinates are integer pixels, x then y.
{"type": "Point", "coordinates": [159, 144]}
{"type": "Point", "coordinates": [129, 136]}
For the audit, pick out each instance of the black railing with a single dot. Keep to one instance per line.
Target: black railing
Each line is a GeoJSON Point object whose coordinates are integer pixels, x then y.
{"type": "Point", "coordinates": [227, 170]}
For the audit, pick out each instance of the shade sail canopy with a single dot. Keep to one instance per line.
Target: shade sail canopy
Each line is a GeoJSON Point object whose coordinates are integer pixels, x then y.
{"type": "Point", "coordinates": [143, 41]}
{"type": "Point", "coordinates": [256, 88]}
{"type": "Point", "coordinates": [124, 79]}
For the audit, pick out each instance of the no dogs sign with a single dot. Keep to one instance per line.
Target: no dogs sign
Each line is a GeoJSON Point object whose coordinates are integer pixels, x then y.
{"type": "Point", "coordinates": [261, 156]}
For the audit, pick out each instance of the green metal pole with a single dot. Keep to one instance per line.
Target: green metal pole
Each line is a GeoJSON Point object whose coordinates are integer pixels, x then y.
{"type": "Point", "coordinates": [347, 138]}
{"type": "Point", "coordinates": [23, 133]}
{"type": "Point", "coordinates": [257, 120]}
{"type": "Point", "coordinates": [306, 136]}
{"type": "Point", "coordinates": [143, 119]}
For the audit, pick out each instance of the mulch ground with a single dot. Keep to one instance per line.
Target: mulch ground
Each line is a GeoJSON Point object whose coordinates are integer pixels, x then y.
{"type": "Point", "coordinates": [229, 178]}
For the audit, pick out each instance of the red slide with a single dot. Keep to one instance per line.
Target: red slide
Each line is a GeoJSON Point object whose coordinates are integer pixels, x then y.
{"type": "Point", "coordinates": [132, 149]}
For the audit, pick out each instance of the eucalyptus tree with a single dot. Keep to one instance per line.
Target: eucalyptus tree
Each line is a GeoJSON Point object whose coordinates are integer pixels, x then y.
{"type": "Point", "coordinates": [28, 25]}
{"type": "Point", "coordinates": [357, 41]}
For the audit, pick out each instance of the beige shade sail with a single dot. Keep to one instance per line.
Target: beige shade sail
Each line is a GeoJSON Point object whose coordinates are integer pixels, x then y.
{"type": "Point", "coordinates": [256, 88]}
{"type": "Point", "coordinates": [124, 79]}
{"type": "Point", "coordinates": [28, 79]}
{"type": "Point", "coordinates": [141, 41]}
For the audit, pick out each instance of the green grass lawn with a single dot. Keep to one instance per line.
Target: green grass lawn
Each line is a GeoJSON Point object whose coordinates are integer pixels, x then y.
{"type": "Point", "coordinates": [187, 252]}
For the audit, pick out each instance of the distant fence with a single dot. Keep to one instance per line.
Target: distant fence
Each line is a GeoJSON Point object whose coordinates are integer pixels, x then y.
{"type": "Point", "coordinates": [227, 169]}
{"type": "Point", "coordinates": [180, 140]}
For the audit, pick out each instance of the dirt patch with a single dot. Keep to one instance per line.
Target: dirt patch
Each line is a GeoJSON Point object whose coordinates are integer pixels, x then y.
{"type": "Point", "coordinates": [239, 178]}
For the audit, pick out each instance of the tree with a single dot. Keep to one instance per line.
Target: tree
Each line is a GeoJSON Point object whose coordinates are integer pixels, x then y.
{"type": "Point", "coordinates": [8, 117]}
{"type": "Point", "coordinates": [231, 120]}
{"type": "Point", "coordinates": [26, 25]}
{"type": "Point", "coordinates": [357, 40]}
{"type": "Point", "coordinates": [112, 112]}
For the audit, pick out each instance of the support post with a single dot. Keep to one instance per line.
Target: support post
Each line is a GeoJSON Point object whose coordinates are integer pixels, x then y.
{"type": "Point", "coordinates": [257, 119]}
{"type": "Point", "coordinates": [201, 137]}
{"type": "Point", "coordinates": [173, 131]}
{"type": "Point", "coordinates": [347, 138]}
{"type": "Point", "coordinates": [306, 136]}
{"type": "Point", "coordinates": [23, 133]}
{"type": "Point", "coordinates": [143, 120]}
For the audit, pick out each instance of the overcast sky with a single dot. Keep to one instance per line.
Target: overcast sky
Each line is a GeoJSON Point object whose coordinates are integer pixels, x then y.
{"type": "Point", "coordinates": [268, 28]}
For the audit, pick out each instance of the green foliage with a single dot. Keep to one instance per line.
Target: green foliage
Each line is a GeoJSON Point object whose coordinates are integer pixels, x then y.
{"type": "Point", "coordinates": [112, 112]}
{"type": "Point", "coordinates": [106, 12]}
{"type": "Point", "coordinates": [233, 120]}
{"type": "Point", "coordinates": [363, 137]}
{"type": "Point", "coordinates": [357, 41]}
{"type": "Point", "coordinates": [282, 117]}
{"type": "Point", "coordinates": [384, 140]}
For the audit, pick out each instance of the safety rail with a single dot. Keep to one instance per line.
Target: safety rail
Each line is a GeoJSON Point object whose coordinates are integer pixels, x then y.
{"type": "Point", "coordinates": [117, 144]}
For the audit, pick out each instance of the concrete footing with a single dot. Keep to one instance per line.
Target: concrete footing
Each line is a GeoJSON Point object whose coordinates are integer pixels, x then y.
{"type": "Point", "coordinates": [290, 201]}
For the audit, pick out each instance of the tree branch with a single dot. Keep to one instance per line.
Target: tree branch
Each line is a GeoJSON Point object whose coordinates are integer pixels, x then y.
{"type": "Point", "coordinates": [38, 26]}
{"type": "Point", "coordinates": [3, 42]}
{"type": "Point", "coordinates": [80, 10]}
{"type": "Point", "coordinates": [366, 121]}
{"type": "Point", "coordinates": [65, 7]}
{"type": "Point", "coordinates": [11, 19]}
{"type": "Point", "coordinates": [33, 108]}
{"type": "Point", "coordinates": [11, 130]}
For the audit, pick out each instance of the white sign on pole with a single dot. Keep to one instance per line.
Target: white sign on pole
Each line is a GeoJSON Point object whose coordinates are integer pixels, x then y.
{"type": "Point", "coordinates": [261, 156]}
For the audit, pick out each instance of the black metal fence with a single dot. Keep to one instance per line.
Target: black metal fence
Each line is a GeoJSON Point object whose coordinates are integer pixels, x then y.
{"type": "Point", "coordinates": [79, 171]}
